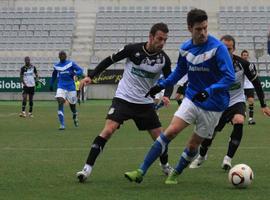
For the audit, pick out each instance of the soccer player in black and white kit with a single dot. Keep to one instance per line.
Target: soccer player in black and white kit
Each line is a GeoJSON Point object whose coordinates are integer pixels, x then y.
{"type": "Point", "coordinates": [235, 113]}
{"type": "Point", "coordinates": [29, 76]}
{"type": "Point", "coordinates": [145, 62]}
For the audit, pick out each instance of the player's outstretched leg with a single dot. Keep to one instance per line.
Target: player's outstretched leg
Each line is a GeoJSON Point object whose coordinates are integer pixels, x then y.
{"type": "Point", "coordinates": [96, 148]}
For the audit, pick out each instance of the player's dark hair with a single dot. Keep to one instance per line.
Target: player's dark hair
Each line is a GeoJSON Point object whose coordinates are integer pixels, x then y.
{"type": "Point", "coordinates": [228, 38]}
{"type": "Point", "coordinates": [62, 52]}
{"type": "Point", "coordinates": [244, 51]}
{"type": "Point", "coordinates": [196, 16]}
{"type": "Point", "coordinates": [159, 27]}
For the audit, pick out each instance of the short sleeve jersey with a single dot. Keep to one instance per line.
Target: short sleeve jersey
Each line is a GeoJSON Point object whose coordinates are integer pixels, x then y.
{"type": "Point", "coordinates": [142, 70]}
{"type": "Point", "coordinates": [242, 69]}
{"type": "Point", "coordinates": [29, 74]}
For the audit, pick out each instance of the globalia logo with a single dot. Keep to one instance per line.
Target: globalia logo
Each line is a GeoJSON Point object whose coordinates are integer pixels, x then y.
{"type": "Point", "coordinates": [10, 84]}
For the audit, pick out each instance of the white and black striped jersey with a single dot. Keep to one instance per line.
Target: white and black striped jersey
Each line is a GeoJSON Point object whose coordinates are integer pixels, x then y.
{"type": "Point", "coordinates": [142, 70]}
{"type": "Point", "coordinates": [248, 84]}
{"type": "Point", "coordinates": [28, 75]}
{"type": "Point", "coordinates": [242, 68]}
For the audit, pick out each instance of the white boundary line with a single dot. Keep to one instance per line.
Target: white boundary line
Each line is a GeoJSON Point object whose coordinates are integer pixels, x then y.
{"type": "Point", "coordinates": [9, 114]}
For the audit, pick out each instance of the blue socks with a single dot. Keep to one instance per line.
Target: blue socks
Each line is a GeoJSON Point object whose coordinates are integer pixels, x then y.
{"type": "Point", "coordinates": [61, 114]}
{"type": "Point", "coordinates": [156, 150]}
{"type": "Point", "coordinates": [186, 157]}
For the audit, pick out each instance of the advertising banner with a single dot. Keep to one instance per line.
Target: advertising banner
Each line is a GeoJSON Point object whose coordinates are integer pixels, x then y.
{"type": "Point", "coordinates": [13, 84]}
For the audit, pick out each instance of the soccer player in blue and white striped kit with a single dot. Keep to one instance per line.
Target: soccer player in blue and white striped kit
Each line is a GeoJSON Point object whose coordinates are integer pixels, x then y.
{"type": "Point", "coordinates": [210, 74]}
{"type": "Point", "coordinates": [64, 71]}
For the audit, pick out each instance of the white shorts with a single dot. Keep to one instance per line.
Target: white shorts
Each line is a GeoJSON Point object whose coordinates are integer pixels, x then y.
{"type": "Point", "coordinates": [70, 96]}
{"type": "Point", "coordinates": [205, 121]}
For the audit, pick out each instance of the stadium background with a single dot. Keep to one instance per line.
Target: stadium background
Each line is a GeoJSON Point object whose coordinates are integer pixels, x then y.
{"type": "Point", "coordinates": [90, 30]}
{"type": "Point", "coordinates": [39, 162]}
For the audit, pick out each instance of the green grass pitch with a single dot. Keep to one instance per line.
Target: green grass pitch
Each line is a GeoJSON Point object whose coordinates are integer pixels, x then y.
{"type": "Point", "coordinates": [37, 161]}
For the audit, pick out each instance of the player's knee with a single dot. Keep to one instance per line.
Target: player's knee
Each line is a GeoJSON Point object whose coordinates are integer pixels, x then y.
{"type": "Point", "coordinates": [238, 119]}
{"type": "Point", "coordinates": [60, 100]}
{"type": "Point", "coordinates": [250, 101]}
{"type": "Point", "coordinates": [155, 133]}
{"type": "Point", "coordinates": [108, 131]}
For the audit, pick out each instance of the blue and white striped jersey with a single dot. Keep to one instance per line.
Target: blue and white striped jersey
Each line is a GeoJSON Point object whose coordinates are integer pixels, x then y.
{"type": "Point", "coordinates": [65, 72]}
{"type": "Point", "coordinates": [209, 67]}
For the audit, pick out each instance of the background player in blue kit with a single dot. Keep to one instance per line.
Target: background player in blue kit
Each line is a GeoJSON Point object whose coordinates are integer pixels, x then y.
{"type": "Point", "coordinates": [210, 74]}
{"type": "Point", "coordinates": [64, 71]}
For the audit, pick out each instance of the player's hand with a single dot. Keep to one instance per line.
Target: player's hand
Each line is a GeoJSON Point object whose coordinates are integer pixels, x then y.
{"type": "Point", "coordinates": [266, 111]}
{"type": "Point", "coordinates": [51, 88]}
{"type": "Point", "coordinates": [200, 96]}
{"type": "Point", "coordinates": [179, 96]}
{"type": "Point", "coordinates": [154, 90]}
{"type": "Point", "coordinates": [85, 81]}
{"type": "Point", "coordinates": [166, 101]}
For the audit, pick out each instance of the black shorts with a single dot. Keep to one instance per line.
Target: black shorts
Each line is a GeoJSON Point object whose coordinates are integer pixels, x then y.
{"type": "Point", "coordinates": [249, 92]}
{"type": "Point", "coordinates": [143, 115]}
{"type": "Point", "coordinates": [28, 90]}
{"type": "Point", "coordinates": [228, 114]}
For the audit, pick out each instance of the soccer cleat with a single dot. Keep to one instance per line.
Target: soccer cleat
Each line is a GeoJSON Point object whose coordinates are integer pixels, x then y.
{"type": "Point", "coordinates": [30, 115]}
{"type": "Point", "coordinates": [197, 162]}
{"type": "Point", "coordinates": [172, 178]}
{"type": "Point", "coordinates": [62, 127]}
{"type": "Point", "coordinates": [83, 175]}
{"type": "Point", "coordinates": [226, 164]}
{"type": "Point", "coordinates": [251, 121]}
{"type": "Point", "coordinates": [22, 114]}
{"type": "Point", "coordinates": [136, 176]}
{"type": "Point", "coordinates": [166, 169]}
